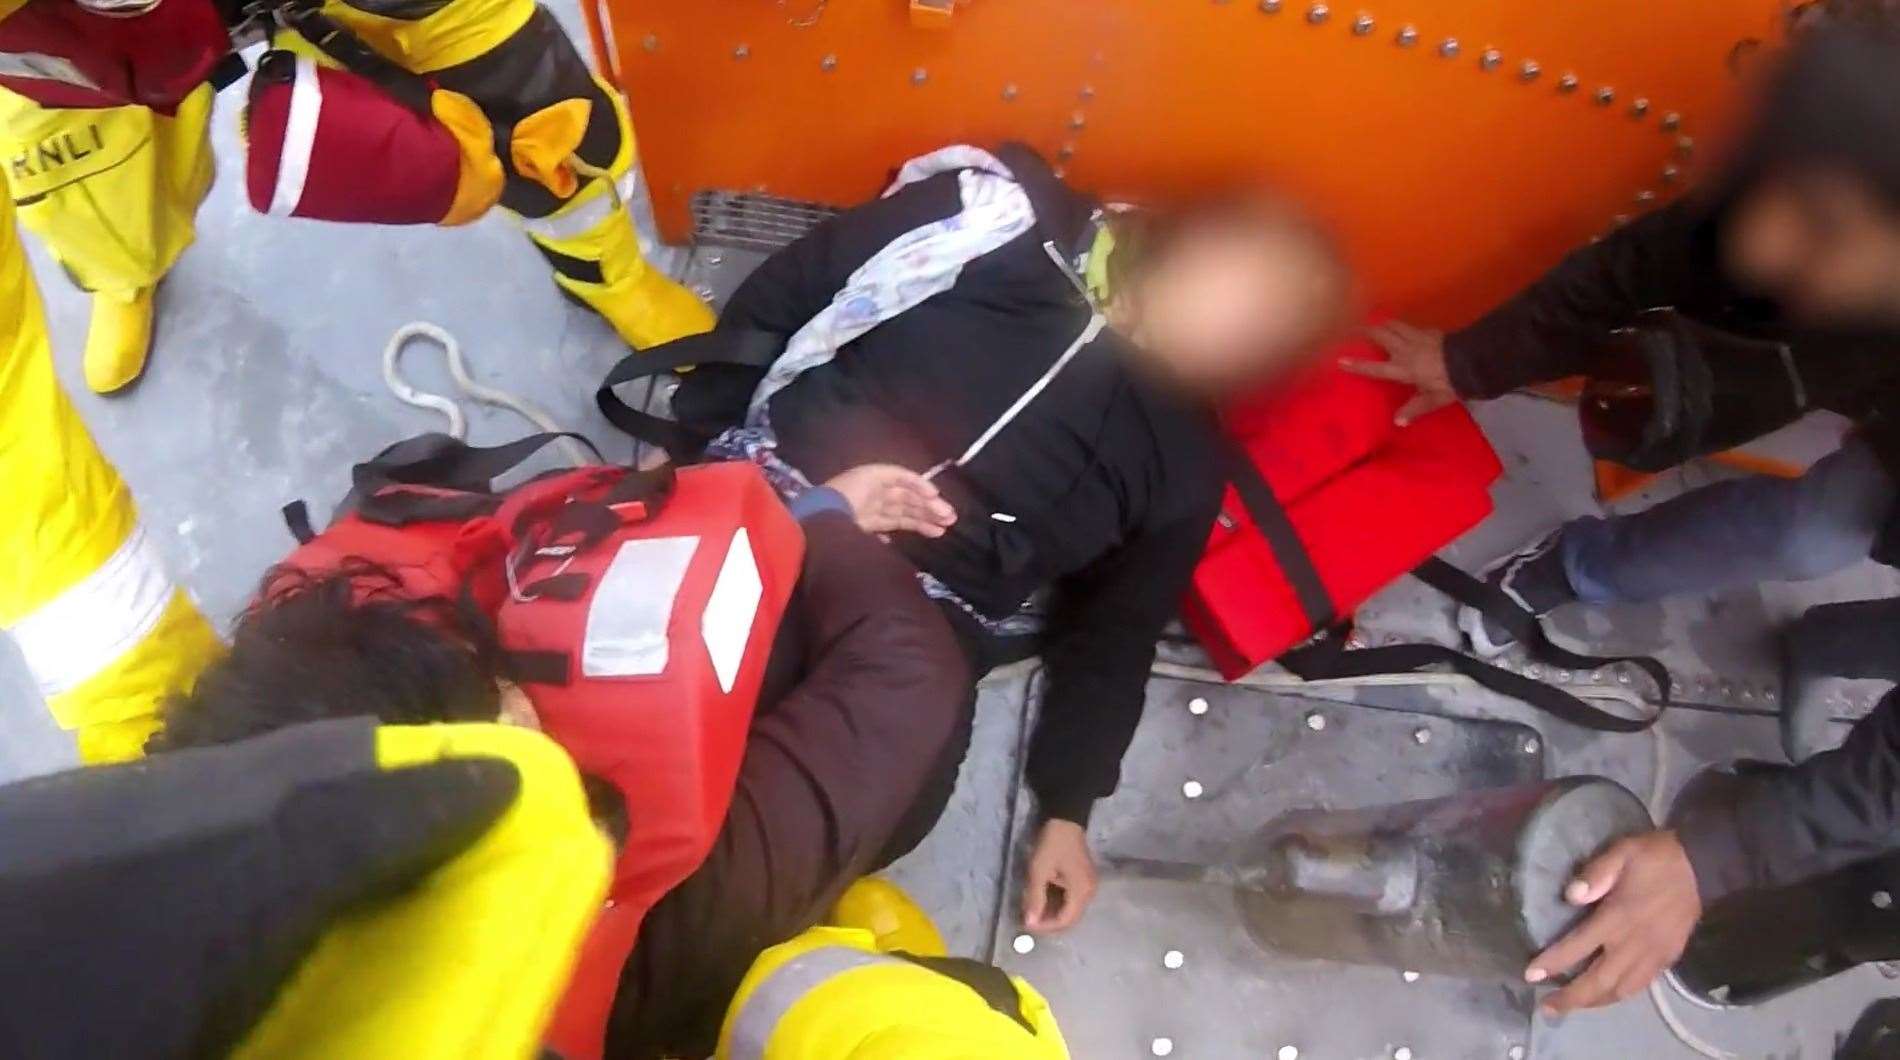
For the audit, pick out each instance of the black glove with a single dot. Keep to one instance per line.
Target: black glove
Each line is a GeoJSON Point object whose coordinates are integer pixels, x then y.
{"type": "Point", "coordinates": [154, 909]}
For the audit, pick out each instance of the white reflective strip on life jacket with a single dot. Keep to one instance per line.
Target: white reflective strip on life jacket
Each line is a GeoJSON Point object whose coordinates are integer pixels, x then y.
{"type": "Point", "coordinates": [1089, 334]}
{"type": "Point", "coordinates": [726, 626]}
{"type": "Point", "coordinates": [583, 218]}
{"type": "Point", "coordinates": [769, 1002]}
{"type": "Point", "coordinates": [300, 139]}
{"type": "Point", "coordinates": [83, 630]}
{"type": "Point", "coordinates": [632, 607]}
{"type": "Point", "coordinates": [36, 66]}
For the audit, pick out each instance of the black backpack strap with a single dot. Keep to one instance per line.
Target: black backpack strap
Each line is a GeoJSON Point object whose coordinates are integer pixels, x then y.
{"type": "Point", "coordinates": [297, 520]}
{"type": "Point", "coordinates": [1327, 657]}
{"type": "Point", "coordinates": [1267, 513]}
{"type": "Point", "coordinates": [728, 347]}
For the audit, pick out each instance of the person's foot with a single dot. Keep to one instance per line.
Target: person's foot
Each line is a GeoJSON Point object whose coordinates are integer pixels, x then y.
{"type": "Point", "coordinates": [877, 905]}
{"type": "Point", "coordinates": [1534, 577]}
{"type": "Point", "coordinates": [118, 340]}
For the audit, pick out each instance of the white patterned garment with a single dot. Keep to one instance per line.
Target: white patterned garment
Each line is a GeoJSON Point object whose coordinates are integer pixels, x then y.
{"type": "Point", "coordinates": [917, 265]}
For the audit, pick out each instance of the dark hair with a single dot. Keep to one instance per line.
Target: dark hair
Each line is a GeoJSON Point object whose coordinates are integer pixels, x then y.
{"type": "Point", "coordinates": [1834, 102]}
{"type": "Point", "coordinates": [1873, 15]}
{"type": "Point", "coordinates": [338, 644]}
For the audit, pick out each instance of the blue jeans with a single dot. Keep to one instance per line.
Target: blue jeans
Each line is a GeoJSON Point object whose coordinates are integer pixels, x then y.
{"type": "Point", "coordinates": [1735, 533]}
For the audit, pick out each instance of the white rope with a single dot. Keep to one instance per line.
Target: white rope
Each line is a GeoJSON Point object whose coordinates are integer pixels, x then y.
{"type": "Point", "coordinates": [458, 371]}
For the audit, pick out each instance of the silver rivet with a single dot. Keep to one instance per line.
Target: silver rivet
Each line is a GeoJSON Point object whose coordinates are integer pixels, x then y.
{"type": "Point", "coordinates": [1192, 789]}
{"type": "Point", "coordinates": [715, 259]}
{"type": "Point", "coordinates": [1403, 1052]}
{"type": "Point", "coordinates": [1407, 36]}
{"type": "Point", "coordinates": [1087, 93]}
{"type": "Point", "coordinates": [1421, 736]}
{"type": "Point", "coordinates": [1490, 59]}
{"type": "Point", "coordinates": [1362, 25]}
{"type": "Point", "coordinates": [1162, 1047]}
{"type": "Point", "coordinates": [1883, 900]}
{"type": "Point", "coordinates": [742, 51]}
{"type": "Point", "coordinates": [651, 43]}
{"type": "Point", "coordinates": [1685, 146]}
{"type": "Point", "coordinates": [1066, 152]}
{"type": "Point", "coordinates": [1770, 695]}
{"type": "Point", "coordinates": [1671, 122]}
{"type": "Point", "coordinates": [1623, 677]}
{"type": "Point", "coordinates": [1532, 745]}
{"type": "Point", "coordinates": [919, 76]}
{"type": "Point", "coordinates": [1568, 83]}
{"type": "Point", "coordinates": [1226, 521]}
{"type": "Point", "coordinates": [1078, 120]}
{"type": "Point", "coordinates": [1448, 47]}
{"type": "Point", "coordinates": [1671, 173]}
{"type": "Point", "coordinates": [828, 63]}
{"type": "Point", "coordinates": [1639, 108]}
{"type": "Point", "coordinates": [1197, 706]}
{"type": "Point", "coordinates": [1173, 960]}
{"type": "Point", "coordinates": [1563, 676]}
{"type": "Point", "coordinates": [1316, 721]}
{"type": "Point", "coordinates": [1288, 1052]}
{"type": "Point", "coordinates": [1515, 1052]}
{"type": "Point", "coordinates": [1318, 13]}
{"type": "Point", "coordinates": [1271, 7]}
{"type": "Point", "coordinates": [1023, 944]}
{"type": "Point", "coordinates": [705, 293]}
{"type": "Point", "coordinates": [1529, 70]}
{"type": "Point", "coordinates": [1606, 96]}
{"type": "Point", "coordinates": [1617, 222]}
{"type": "Point", "coordinates": [1409, 976]}
{"type": "Point", "coordinates": [1534, 670]}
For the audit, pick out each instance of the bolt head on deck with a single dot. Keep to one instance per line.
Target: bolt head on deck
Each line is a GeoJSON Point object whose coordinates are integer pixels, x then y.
{"type": "Point", "coordinates": [1316, 721]}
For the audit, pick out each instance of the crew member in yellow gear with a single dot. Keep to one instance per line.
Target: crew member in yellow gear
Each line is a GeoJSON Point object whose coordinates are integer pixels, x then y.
{"type": "Point", "coordinates": [111, 176]}
{"type": "Point", "coordinates": [82, 589]}
{"type": "Point", "coordinates": [877, 986]}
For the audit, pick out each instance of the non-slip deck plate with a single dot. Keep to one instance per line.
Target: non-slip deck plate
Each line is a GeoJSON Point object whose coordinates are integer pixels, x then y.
{"type": "Point", "coordinates": [1256, 755]}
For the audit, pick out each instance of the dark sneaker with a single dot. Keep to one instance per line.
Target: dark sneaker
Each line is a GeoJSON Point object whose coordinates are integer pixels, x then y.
{"type": "Point", "coordinates": [1849, 640]}
{"type": "Point", "coordinates": [1534, 577]}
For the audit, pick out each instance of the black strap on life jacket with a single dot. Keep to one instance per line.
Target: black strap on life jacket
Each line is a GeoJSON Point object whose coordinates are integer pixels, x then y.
{"type": "Point", "coordinates": [335, 40]}
{"type": "Point", "coordinates": [1270, 516]}
{"type": "Point", "coordinates": [1327, 657]}
{"type": "Point", "coordinates": [722, 347]}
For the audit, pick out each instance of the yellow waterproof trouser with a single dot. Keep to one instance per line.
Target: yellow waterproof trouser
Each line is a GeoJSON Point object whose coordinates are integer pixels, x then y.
{"type": "Point", "coordinates": [82, 590]}
{"type": "Point", "coordinates": [492, 51]}
{"type": "Point", "coordinates": [113, 191]}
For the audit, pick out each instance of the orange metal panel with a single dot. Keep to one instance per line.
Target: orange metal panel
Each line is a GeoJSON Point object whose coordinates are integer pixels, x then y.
{"type": "Point", "coordinates": [1452, 178]}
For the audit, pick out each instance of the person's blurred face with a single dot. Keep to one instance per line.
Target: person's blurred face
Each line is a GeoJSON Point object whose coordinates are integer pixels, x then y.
{"type": "Point", "coordinates": [1232, 304]}
{"type": "Point", "coordinates": [1823, 243]}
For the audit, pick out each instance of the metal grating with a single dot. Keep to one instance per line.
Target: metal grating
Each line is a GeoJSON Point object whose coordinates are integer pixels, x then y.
{"type": "Point", "coordinates": [753, 222]}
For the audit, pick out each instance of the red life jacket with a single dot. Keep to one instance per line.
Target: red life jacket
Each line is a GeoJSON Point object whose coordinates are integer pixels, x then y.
{"type": "Point", "coordinates": [639, 624]}
{"type": "Point", "coordinates": [1368, 501]}
{"type": "Point", "coordinates": [59, 54]}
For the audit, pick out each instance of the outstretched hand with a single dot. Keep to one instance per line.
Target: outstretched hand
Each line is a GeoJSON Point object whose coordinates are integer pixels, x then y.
{"type": "Point", "coordinates": [1417, 360]}
{"type": "Point", "coordinates": [888, 499]}
{"type": "Point", "coordinates": [1647, 904]}
{"type": "Point", "coordinates": [1061, 879]}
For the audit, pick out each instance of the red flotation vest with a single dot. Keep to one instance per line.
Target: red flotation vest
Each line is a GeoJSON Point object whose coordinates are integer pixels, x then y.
{"type": "Point", "coordinates": [1366, 500]}
{"type": "Point", "coordinates": [59, 54]}
{"type": "Point", "coordinates": [638, 617]}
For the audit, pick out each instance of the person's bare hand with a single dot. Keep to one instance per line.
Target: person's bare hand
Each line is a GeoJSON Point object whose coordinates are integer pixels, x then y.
{"type": "Point", "coordinates": [1417, 360]}
{"type": "Point", "coordinates": [1061, 880]}
{"type": "Point", "coordinates": [887, 499]}
{"type": "Point", "coordinates": [1647, 904]}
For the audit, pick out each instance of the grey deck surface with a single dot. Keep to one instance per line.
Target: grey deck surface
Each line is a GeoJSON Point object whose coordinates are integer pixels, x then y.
{"type": "Point", "coordinates": [265, 386]}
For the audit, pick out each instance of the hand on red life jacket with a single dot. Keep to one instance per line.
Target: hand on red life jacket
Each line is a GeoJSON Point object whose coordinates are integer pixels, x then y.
{"type": "Point", "coordinates": [1417, 360]}
{"type": "Point", "coordinates": [168, 900]}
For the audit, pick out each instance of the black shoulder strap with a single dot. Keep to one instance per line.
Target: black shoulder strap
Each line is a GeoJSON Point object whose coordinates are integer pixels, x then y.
{"type": "Point", "coordinates": [439, 460]}
{"type": "Point", "coordinates": [1327, 657]}
{"type": "Point", "coordinates": [731, 347]}
{"type": "Point", "coordinates": [1256, 495]}
{"type": "Point", "coordinates": [991, 983]}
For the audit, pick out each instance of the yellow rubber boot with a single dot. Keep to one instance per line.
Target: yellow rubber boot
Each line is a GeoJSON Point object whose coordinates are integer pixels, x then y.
{"type": "Point", "coordinates": [600, 265]}
{"type": "Point", "coordinates": [119, 340]}
{"type": "Point", "coordinates": [877, 905]}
